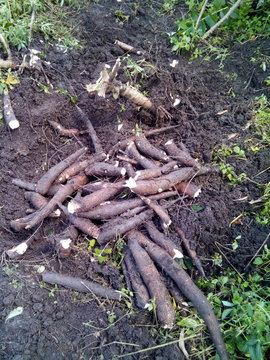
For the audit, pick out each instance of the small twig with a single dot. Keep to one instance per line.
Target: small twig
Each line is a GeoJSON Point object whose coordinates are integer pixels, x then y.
{"type": "Point", "coordinates": [221, 21]}
{"type": "Point", "coordinates": [225, 257]}
{"type": "Point", "coordinates": [249, 81]}
{"type": "Point", "coordinates": [200, 15]}
{"type": "Point", "coordinates": [31, 23]}
{"type": "Point", "coordinates": [257, 252]}
{"type": "Point", "coordinates": [6, 46]}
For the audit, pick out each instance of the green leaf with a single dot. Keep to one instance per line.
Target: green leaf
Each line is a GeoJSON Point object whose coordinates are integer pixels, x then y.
{"type": "Point", "coordinates": [258, 261]}
{"type": "Point", "coordinates": [210, 21]}
{"type": "Point", "coordinates": [73, 99]}
{"type": "Point", "coordinates": [107, 251]}
{"type": "Point", "coordinates": [197, 208]}
{"type": "Point", "coordinates": [92, 243]}
{"type": "Point", "coordinates": [227, 303]}
{"type": "Point", "coordinates": [225, 313]}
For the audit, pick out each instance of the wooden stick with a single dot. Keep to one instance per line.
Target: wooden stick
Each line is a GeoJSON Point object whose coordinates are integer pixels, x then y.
{"type": "Point", "coordinates": [9, 116]}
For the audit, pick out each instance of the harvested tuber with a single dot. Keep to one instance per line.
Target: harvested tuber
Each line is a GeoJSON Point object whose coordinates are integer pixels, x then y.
{"type": "Point", "coordinates": [152, 280]}
{"type": "Point", "coordinates": [81, 285]}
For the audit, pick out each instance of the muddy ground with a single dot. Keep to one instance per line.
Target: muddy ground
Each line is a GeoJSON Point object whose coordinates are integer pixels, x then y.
{"type": "Point", "coordinates": [60, 324]}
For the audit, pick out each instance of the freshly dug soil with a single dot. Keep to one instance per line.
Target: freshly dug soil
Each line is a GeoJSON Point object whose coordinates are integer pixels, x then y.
{"type": "Point", "coordinates": [58, 324]}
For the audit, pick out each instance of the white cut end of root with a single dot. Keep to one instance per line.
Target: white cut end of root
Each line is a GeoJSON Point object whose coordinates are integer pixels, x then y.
{"type": "Point", "coordinates": [175, 167]}
{"type": "Point", "coordinates": [197, 193]}
{"type": "Point", "coordinates": [72, 207]}
{"type": "Point", "coordinates": [176, 102]}
{"type": "Point", "coordinates": [169, 142]}
{"type": "Point", "coordinates": [107, 157]}
{"type": "Point", "coordinates": [65, 243]}
{"type": "Point", "coordinates": [19, 249]}
{"type": "Point", "coordinates": [107, 66]}
{"type": "Point", "coordinates": [57, 212]}
{"type": "Point", "coordinates": [146, 306]}
{"type": "Point", "coordinates": [116, 163]}
{"type": "Point", "coordinates": [131, 183]}
{"type": "Point", "coordinates": [174, 63]}
{"type": "Point", "coordinates": [160, 190]}
{"type": "Point", "coordinates": [119, 127]}
{"type": "Point", "coordinates": [166, 225]}
{"type": "Point", "coordinates": [177, 254]}
{"type": "Point", "coordinates": [14, 124]}
{"type": "Point", "coordinates": [105, 203]}
{"type": "Point", "coordinates": [123, 171]}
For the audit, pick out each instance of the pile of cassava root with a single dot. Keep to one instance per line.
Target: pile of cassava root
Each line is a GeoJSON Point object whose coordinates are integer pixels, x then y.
{"type": "Point", "coordinates": [125, 193]}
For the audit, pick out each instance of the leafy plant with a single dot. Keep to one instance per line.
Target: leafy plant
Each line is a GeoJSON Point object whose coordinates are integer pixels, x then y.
{"type": "Point", "coordinates": [243, 305]}
{"type": "Point", "coordinates": [228, 171]}
{"type": "Point", "coordinates": [263, 215]}
{"type": "Point", "coordinates": [18, 19]}
{"type": "Point", "coordinates": [100, 254]}
{"type": "Point", "coordinates": [244, 23]}
{"type": "Point", "coordinates": [7, 80]}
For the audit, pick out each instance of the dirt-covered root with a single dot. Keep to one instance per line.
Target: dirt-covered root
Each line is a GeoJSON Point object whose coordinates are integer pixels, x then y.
{"type": "Point", "coordinates": [64, 241]}
{"type": "Point", "coordinates": [163, 241]}
{"type": "Point", "coordinates": [188, 288]}
{"type": "Point", "coordinates": [81, 285]}
{"type": "Point", "coordinates": [181, 154]}
{"type": "Point", "coordinates": [152, 279]}
{"type": "Point", "coordinates": [48, 178]}
{"type": "Point", "coordinates": [192, 253]}
{"type": "Point", "coordinates": [121, 225]}
{"type": "Point", "coordinates": [134, 281]}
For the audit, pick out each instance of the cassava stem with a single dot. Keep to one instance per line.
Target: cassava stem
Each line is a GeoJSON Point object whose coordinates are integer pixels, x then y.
{"type": "Point", "coordinates": [9, 116]}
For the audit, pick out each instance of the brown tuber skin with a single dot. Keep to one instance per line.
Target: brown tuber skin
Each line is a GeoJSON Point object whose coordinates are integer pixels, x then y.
{"type": "Point", "coordinates": [189, 189]}
{"type": "Point", "coordinates": [152, 280]}
{"type": "Point", "coordinates": [158, 185]}
{"type": "Point", "coordinates": [28, 222]}
{"type": "Point", "coordinates": [143, 161]}
{"type": "Point", "coordinates": [188, 289]}
{"type": "Point", "coordinates": [140, 290]}
{"type": "Point", "coordinates": [47, 179]}
{"type": "Point", "coordinates": [181, 154]}
{"type": "Point", "coordinates": [90, 201]}
{"type": "Point", "coordinates": [77, 167]}
{"type": "Point", "coordinates": [81, 285]}
{"type": "Point", "coordinates": [101, 169]}
{"type": "Point", "coordinates": [120, 226]}
{"type": "Point", "coordinates": [150, 150]}
{"type": "Point", "coordinates": [163, 241]}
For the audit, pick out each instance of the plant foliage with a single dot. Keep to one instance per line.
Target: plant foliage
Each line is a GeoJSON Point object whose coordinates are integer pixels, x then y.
{"type": "Point", "coordinates": [246, 22]}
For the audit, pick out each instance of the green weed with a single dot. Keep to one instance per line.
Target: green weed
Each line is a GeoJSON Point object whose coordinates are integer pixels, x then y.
{"type": "Point", "coordinates": [245, 23]}
{"type": "Point", "coordinates": [242, 304]}
{"type": "Point", "coordinates": [221, 156]}
{"type": "Point", "coordinates": [20, 19]}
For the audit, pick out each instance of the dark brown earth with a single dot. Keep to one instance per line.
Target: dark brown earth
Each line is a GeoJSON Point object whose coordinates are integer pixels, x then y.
{"type": "Point", "coordinates": [61, 324]}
